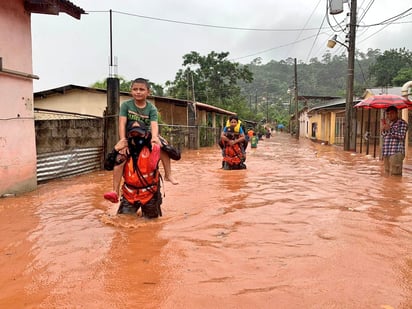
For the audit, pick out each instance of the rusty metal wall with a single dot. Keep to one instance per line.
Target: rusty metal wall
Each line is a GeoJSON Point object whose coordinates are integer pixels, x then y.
{"type": "Point", "coordinates": [68, 163]}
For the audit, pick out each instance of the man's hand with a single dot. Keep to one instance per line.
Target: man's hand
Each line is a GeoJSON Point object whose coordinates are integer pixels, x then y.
{"type": "Point", "coordinates": [386, 127]}
{"type": "Point", "coordinates": [156, 140]}
{"type": "Point", "coordinates": [121, 146]}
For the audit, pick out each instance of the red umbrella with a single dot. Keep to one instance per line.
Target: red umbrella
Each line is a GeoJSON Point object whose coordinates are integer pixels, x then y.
{"type": "Point", "coordinates": [384, 101]}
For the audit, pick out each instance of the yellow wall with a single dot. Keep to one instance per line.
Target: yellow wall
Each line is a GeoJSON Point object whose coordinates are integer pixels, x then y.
{"type": "Point", "coordinates": [77, 101]}
{"type": "Point", "coordinates": [332, 129]}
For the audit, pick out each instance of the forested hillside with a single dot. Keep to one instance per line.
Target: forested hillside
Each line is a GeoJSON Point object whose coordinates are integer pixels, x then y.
{"type": "Point", "coordinates": [320, 77]}
{"type": "Point", "coordinates": [268, 91]}
{"type": "Point", "coordinates": [260, 90]}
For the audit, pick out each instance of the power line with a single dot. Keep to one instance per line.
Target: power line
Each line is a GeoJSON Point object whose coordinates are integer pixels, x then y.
{"type": "Point", "coordinates": [369, 5]}
{"type": "Point", "coordinates": [317, 35]}
{"type": "Point", "coordinates": [307, 21]}
{"type": "Point", "coordinates": [328, 20]}
{"type": "Point", "coordinates": [276, 47]}
{"type": "Point", "coordinates": [213, 26]}
{"type": "Point", "coordinates": [399, 16]}
{"type": "Point", "coordinates": [390, 20]}
{"type": "Point", "coordinates": [206, 25]}
{"type": "Point", "coordinates": [387, 22]}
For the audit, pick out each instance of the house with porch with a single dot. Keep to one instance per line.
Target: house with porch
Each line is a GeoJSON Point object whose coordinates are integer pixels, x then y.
{"type": "Point", "coordinates": [326, 123]}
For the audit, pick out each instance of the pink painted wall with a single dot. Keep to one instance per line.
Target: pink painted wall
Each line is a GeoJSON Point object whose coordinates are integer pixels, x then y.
{"type": "Point", "coordinates": [17, 134]}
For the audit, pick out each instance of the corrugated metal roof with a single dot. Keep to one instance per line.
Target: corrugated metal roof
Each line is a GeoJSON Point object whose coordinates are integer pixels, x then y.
{"type": "Point", "coordinates": [333, 104]}
{"type": "Point", "coordinates": [53, 7]}
{"type": "Point", "coordinates": [203, 106]}
{"type": "Point", "coordinates": [384, 90]}
{"type": "Point", "coordinates": [64, 89]}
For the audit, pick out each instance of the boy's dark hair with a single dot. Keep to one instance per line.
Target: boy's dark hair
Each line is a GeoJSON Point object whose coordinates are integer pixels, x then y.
{"type": "Point", "coordinates": [233, 117]}
{"type": "Point", "coordinates": [141, 80]}
{"type": "Point", "coordinates": [391, 108]}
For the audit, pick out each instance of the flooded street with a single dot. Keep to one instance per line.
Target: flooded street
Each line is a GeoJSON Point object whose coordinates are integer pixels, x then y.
{"type": "Point", "coordinates": [304, 226]}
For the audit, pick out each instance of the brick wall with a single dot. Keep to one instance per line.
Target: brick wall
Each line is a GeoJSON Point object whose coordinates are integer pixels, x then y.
{"type": "Point", "coordinates": [66, 134]}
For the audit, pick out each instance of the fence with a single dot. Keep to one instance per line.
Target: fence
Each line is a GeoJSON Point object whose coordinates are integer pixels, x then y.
{"type": "Point", "coordinates": [190, 137]}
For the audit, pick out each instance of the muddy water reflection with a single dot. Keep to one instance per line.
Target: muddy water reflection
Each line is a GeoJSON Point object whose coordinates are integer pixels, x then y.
{"type": "Point", "coordinates": [305, 226]}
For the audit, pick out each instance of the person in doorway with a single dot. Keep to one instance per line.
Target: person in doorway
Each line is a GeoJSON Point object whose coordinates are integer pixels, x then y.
{"type": "Point", "coordinates": [138, 109]}
{"type": "Point", "coordinates": [393, 148]}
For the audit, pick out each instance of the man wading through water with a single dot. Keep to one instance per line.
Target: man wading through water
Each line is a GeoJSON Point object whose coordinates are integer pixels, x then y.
{"type": "Point", "coordinates": [138, 109]}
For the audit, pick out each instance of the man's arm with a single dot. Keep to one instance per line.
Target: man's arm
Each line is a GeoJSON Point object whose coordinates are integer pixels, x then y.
{"type": "Point", "coordinates": [223, 136]}
{"type": "Point", "coordinates": [154, 127]}
{"type": "Point", "coordinates": [122, 127]}
{"type": "Point", "coordinates": [240, 139]}
{"type": "Point", "coordinates": [402, 130]}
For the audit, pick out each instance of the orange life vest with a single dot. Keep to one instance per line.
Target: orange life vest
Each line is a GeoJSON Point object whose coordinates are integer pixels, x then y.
{"type": "Point", "coordinates": [141, 184]}
{"type": "Point", "coordinates": [233, 155]}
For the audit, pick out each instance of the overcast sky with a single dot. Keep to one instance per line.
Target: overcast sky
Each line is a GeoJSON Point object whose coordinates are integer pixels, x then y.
{"type": "Point", "coordinates": [150, 37]}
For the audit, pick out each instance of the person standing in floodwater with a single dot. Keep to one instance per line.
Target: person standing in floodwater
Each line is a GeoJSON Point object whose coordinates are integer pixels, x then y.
{"type": "Point", "coordinates": [254, 141]}
{"type": "Point", "coordinates": [393, 148]}
{"type": "Point", "coordinates": [138, 109]}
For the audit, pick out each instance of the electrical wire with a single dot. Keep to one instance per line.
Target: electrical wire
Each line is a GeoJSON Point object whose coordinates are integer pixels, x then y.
{"type": "Point", "coordinates": [276, 47]}
{"type": "Point", "coordinates": [365, 11]}
{"type": "Point", "coordinates": [389, 20]}
{"type": "Point", "coordinates": [385, 25]}
{"type": "Point", "coordinates": [317, 35]}
{"type": "Point", "coordinates": [307, 21]}
{"type": "Point", "coordinates": [328, 20]}
{"type": "Point", "coordinates": [214, 26]}
{"type": "Point", "coordinates": [386, 22]}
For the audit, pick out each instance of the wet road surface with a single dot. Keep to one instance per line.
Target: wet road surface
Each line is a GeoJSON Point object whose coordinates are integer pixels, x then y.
{"type": "Point", "coordinates": [304, 226]}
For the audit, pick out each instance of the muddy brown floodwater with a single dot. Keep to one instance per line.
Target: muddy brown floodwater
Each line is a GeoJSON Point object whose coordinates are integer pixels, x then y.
{"type": "Point", "coordinates": [305, 226]}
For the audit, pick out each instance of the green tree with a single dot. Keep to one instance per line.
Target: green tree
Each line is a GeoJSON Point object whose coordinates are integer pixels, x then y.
{"type": "Point", "coordinates": [389, 64]}
{"type": "Point", "coordinates": [404, 75]}
{"type": "Point", "coordinates": [125, 85]}
{"type": "Point", "coordinates": [211, 79]}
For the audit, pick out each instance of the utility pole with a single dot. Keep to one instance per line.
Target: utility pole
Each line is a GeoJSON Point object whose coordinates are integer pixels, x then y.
{"type": "Point", "coordinates": [350, 77]}
{"type": "Point", "coordinates": [289, 92]}
{"type": "Point", "coordinates": [256, 98]}
{"type": "Point", "coordinates": [111, 120]}
{"type": "Point", "coordinates": [296, 101]}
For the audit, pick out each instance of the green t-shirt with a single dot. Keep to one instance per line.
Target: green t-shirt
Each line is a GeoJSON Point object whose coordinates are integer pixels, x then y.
{"type": "Point", "coordinates": [132, 112]}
